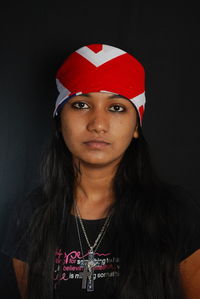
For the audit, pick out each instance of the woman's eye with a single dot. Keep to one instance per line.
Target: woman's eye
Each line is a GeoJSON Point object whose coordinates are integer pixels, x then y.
{"type": "Point", "coordinates": [79, 105]}
{"type": "Point", "coordinates": [117, 108]}
{"type": "Point", "coordinates": [82, 105]}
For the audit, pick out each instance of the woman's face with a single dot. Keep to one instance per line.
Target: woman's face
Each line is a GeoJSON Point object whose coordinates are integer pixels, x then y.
{"type": "Point", "coordinates": [98, 127]}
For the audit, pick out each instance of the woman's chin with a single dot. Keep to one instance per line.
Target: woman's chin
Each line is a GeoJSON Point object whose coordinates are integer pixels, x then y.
{"type": "Point", "coordinates": [98, 162]}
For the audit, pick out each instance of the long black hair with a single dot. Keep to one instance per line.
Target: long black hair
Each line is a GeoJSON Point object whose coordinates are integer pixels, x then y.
{"type": "Point", "coordinates": [145, 229]}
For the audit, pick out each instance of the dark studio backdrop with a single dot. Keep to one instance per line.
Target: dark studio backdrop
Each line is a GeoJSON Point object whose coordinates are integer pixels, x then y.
{"type": "Point", "coordinates": [36, 37]}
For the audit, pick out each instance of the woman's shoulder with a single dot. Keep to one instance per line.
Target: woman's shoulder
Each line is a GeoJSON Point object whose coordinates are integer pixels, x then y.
{"type": "Point", "coordinates": [183, 211]}
{"type": "Point", "coordinates": [185, 204]}
{"type": "Point", "coordinates": [31, 200]}
{"type": "Point", "coordinates": [175, 197]}
{"type": "Point", "coordinates": [174, 213]}
{"type": "Point", "coordinates": [16, 239]}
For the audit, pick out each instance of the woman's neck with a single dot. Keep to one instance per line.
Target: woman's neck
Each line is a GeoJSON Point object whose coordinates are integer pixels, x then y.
{"type": "Point", "coordinates": [94, 192]}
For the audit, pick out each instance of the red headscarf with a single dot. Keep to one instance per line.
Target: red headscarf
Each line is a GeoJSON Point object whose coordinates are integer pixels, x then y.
{"type": "Point", "coordinates": [101, 68]}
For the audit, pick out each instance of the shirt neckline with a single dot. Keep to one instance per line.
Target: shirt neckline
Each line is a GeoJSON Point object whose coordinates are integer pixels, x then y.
{"type": "Point", "coordinates": [89, 220]}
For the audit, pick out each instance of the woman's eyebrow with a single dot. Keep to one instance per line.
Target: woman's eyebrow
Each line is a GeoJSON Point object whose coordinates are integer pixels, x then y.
{"type": "Point", "coordinates": [117, 96]}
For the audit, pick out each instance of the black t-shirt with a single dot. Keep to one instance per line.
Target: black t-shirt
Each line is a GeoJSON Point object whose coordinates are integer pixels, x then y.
{"type": "Point", "coordinates": [70, 256]}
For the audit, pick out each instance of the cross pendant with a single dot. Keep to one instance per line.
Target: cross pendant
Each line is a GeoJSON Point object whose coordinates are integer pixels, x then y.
{"type": "Point", "coordinates": [88, 272]}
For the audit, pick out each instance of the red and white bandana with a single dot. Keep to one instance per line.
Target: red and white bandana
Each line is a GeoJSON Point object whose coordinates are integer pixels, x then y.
{"type": "Point", "coordinates": [101, 68]}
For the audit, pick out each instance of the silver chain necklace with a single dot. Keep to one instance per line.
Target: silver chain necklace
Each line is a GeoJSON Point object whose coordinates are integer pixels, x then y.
{"type": "Point", "coordinates": [88, 265]}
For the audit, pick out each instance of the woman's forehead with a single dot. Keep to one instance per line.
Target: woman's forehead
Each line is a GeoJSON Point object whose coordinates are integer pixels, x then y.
{"type": "Point", "coordinates": [107, 95]}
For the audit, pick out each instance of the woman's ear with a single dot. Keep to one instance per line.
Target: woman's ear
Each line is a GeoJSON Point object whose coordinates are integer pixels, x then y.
{"type": "Point", "coordinates": [136, 133]}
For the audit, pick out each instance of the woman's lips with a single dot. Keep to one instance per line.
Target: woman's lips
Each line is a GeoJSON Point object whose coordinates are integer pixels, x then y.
{"type": "Point", "coordinates": [96, 144]}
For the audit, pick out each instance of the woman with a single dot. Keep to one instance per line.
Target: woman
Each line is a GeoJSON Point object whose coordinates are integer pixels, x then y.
{"type": "Point", "coordinates": [102, 224]}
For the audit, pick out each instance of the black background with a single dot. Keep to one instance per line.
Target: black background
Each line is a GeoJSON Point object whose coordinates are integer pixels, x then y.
{"type": "Point", "coordinates": [36, 36]}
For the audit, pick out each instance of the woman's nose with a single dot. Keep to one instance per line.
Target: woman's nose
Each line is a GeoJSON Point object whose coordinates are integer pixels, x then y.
{"type": "Point", "coordinates": [98, 122]}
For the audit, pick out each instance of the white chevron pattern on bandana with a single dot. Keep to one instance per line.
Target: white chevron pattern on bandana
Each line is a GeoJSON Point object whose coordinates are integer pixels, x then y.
{"type": "Point", "coordinates": [107, 53]}
{"type": "Point", "coordinates": [63, 92]}
{"type": "Point", "coordinates": [139, 100]}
